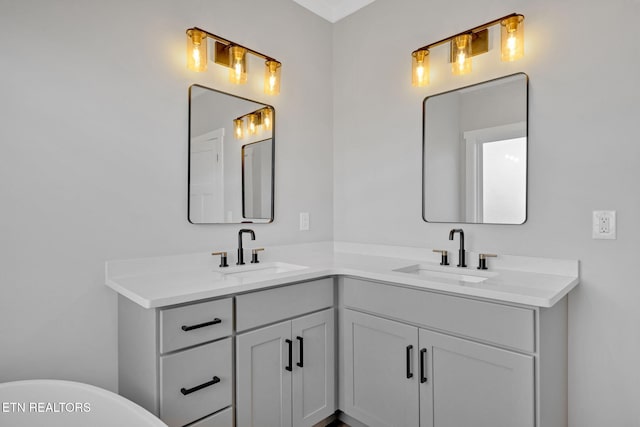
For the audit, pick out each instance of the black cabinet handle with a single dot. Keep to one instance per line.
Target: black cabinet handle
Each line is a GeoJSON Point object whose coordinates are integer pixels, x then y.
{"type": "Point", "coordinates": [409, 373]}
{"type": "Point", "coordinates": [289, 367]}
{"type": "Point", "coordinates": [185, 391]}
{"type": "Point", "coordinates": [301, 362]}
{"type": "Point", "coordinates": [201, 325]}
{"type": "Point", "coordinates": [423, 356]}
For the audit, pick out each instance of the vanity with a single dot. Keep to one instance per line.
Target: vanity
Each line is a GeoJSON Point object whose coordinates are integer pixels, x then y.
{"type": "Point", "coordinates": [374, 335]}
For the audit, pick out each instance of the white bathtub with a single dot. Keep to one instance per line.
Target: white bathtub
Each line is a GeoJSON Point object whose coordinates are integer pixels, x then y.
{"type": "Point", "coordinates": [54, 403]}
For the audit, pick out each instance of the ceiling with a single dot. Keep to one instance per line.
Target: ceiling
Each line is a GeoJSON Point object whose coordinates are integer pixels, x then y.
{"type": "Point", "coordinates": [333, 10]}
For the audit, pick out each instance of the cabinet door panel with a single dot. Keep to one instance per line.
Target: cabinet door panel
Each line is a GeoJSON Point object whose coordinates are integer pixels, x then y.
{"type": "Point", "coordinates": [474, 384]}
{"type": "Point", "coordinates": [263, 384]}
{"type": "Point", "coordinates": [377, 390]}
{"type": "Point", "coordinates": [314, 382]}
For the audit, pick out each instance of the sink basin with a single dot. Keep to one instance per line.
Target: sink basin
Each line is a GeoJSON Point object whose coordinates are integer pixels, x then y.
{"type": "Point", "coordinates": [429, 271]}
{"type": "Point", "coordinates": [260, 269]}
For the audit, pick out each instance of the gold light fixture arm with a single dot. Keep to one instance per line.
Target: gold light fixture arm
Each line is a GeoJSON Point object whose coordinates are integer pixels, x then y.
{"type": "Point", "coordinates": [230, 43]}
{"type": "Point", "coordinates": [471, 31]}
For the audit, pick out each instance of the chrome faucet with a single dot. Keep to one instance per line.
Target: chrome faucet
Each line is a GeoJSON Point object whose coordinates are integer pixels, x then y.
{"type": "Point", "coordinates": [240, 249]}
{"type": "Point", "coordinates": [461, 262]}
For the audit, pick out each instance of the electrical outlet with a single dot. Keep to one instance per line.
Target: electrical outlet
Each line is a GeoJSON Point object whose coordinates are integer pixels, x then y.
{"type": "Point", "coordinates": [604, 225]}
{"type": "Point", "coordinates": [304, 221]}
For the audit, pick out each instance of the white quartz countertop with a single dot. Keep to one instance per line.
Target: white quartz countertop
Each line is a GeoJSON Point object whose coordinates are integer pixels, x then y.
{"type": "Point", "coordinates": [163, 281]}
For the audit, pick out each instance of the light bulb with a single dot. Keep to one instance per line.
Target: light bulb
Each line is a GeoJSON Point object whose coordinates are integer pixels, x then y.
{"type": "Point", "coordinates": [460, 61]}
{"type": "Point", "coordinates": [196, 56]}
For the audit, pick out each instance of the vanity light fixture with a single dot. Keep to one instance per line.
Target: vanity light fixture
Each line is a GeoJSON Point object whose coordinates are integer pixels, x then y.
{"type": "Point", "coordinates": [256, 121]}
{"type": "Point", "coordinates": [232, 56]}
{"type": "Point", "coordinates": [470, 43]}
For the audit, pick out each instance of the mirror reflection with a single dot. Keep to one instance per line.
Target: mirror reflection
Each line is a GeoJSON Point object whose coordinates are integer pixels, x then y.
{"type": "Point", "coordinates": [257, 176]}
{"type": "Point", "coordinates": [475, 153]}
{"type": "Point", "coordinates": [231, 148]}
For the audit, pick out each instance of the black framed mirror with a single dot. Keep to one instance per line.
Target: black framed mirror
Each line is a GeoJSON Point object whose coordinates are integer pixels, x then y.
{"type": "Point", "coordinates": [223, 187]}
{"type": "Point", "coordinates": [475, 143]}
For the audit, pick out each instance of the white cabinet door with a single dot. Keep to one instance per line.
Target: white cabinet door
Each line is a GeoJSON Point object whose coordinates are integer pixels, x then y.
{"type": "Point", "coordinates": [262, 380]}
{"type": "Point", "coordinates": [313, 368]}
{"type": "Point", "coordinates": [469, 384]}
{"type": "Point", "coordinates": [380, 361]}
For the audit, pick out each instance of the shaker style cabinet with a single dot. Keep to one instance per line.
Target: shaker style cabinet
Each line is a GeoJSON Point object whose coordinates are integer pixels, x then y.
{"type": "Point", "coordinates": [177, 362]}
{"type": "Point", "coordinates": [397, 374]}
{"type": "Point", "coordinates": [285, 372]}
{"type": "Point", "coordinates": [379, 358]}
{"type": "Point", "coordinates": [420, 358]}
{"type": "Point", "coordinates": [494, 386]}
{"type": "Point", "coordinates": [407, 357]}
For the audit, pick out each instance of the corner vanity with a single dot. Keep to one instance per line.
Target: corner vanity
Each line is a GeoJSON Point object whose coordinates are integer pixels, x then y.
{"type": "Point", "coordinates": [374, 335]}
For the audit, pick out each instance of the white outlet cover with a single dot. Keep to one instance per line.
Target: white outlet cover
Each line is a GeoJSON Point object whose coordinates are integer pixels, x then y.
{"type": "Point", "coordinates": [595, 227]}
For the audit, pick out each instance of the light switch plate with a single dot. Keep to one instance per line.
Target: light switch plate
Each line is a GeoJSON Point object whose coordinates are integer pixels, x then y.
{"type": "Point", "coordinates": [604, 225]}
{"type": "Point", "coordinates": [304, 221]}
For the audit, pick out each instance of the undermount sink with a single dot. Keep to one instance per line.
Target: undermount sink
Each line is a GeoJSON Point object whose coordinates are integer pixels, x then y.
{"type": "Point", "coordinates": [428, 271]}
{"type": "Point", "coordinates": [260, 269]}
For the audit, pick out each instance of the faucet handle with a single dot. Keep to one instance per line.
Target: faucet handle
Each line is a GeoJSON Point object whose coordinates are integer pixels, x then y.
{"type": "Point", "coordinates": [254, 255]}
{"type": "Point", "coordinates": [223, 258]}
{"type": "Point", "coordinates": [444, 259]}
{"type": "Point", "coordinates": [482, 260]}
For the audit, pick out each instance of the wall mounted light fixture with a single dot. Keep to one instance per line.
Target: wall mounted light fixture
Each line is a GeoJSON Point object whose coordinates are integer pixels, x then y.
{"type": "Point", "coordinates": [253, 122]}
{"type": "Point", "coordinates": [470, 43]}
{"type": "Point", "coordinates": [231, 55]}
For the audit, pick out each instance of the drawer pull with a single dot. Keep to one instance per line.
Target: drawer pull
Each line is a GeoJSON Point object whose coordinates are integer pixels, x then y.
{"type": "Point", "coordinates": [185, 391]}
{"type": "Point", "coordinates": [201, 325]}
{"type": "Point", "coordinates": [290, 344]}
{"type": "Point", "coordinates": [423, 356]}
{"type": "Point", "coordinates": [301, 362]}
{"type": "Point", "coordinates": [409, 350]}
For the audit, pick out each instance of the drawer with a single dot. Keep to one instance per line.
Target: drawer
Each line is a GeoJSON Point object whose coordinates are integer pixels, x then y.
{"type": "Point", "coordinates": [194, 324]}
{"type": "Point", "coordinates": [505, 325]}
{"type": "Point", "coordinates": [221, 419]}
{"type": "Point", "coordinates": [263, 307]}
{"type": "Point", "coordinates": [193, 372]}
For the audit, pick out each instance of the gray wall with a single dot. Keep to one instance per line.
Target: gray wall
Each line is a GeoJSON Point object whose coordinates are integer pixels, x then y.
{"type": "Point", "coordinates": [582, 59]}
{"type": "Point", "coordinates": [93, 158]}
{"type": "Point", "coordinates": [93, 108]}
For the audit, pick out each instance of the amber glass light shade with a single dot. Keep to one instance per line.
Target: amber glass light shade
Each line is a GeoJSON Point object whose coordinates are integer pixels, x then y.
{"type": "Point", "coordinates": [238, 65]}
{"type": "Point", "coordinates": [252, 123]}
{"type": "Point", "coordinates": [461, 55]}
{"type": "Point", "coordinates": [238, 128]}
{"type": "Point", "coordinates": [196, 50]}
{"type": "Point", "coordinates": [267, 119]}
{"type": "Point", "coordinates": [512, 38]}
{"type": "Point", "coordinates": [272, 77]}
{"type": "Point", "coordinates": [420, 68]}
